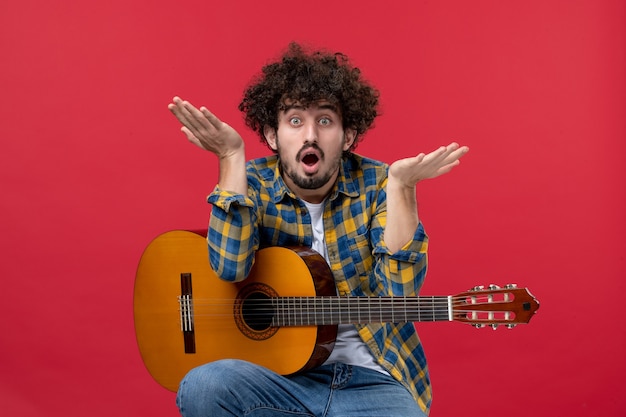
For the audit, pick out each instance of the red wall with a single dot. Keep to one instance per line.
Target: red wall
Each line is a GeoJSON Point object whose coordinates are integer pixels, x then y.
{"type": "Point", "coordinates": [92, 167]}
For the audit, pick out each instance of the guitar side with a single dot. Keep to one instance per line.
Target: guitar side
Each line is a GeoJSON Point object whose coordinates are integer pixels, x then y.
{"type": "Point", "coordinates": [168, 353]}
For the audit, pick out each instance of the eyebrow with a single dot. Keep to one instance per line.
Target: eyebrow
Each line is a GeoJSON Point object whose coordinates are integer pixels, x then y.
{"type": "Point", "coordinates": [326, 106]}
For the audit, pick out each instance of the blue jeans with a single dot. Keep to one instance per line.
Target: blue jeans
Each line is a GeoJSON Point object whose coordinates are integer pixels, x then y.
{"type": "Point", "coordinates": [238, 388]}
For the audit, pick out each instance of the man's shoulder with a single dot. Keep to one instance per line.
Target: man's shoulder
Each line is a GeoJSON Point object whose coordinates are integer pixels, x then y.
{"type": "Point", "coordinates": [263, 167]}
{"type": "Point", "coordinates": [263, 161]}
{"type": "Point", "coordinates": [366, 166]}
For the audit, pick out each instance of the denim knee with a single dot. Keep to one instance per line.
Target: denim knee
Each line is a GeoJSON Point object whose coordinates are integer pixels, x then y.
{"type": "Point", "coordinates": [204, 384]}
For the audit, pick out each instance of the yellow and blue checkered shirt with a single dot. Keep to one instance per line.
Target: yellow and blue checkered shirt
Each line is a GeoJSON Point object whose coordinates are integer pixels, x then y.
{"type": "Point", "coordinates": [354, 222]}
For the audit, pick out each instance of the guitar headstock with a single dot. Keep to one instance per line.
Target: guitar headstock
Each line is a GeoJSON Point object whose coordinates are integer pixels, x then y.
{"type": "Point", "coordinates": [494, 306]}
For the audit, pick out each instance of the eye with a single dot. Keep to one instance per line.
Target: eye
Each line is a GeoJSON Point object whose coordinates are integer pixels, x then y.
{"type": "Point", "coordinates": [325, 121]}
{"type": "Point", "coordinates": [295, 121]}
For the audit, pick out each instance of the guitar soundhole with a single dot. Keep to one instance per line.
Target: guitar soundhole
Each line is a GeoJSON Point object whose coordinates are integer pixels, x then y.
{"type": "Point", "coordinates": [257, 311]}
{"type": "Point", "coordinates": [254, 311]}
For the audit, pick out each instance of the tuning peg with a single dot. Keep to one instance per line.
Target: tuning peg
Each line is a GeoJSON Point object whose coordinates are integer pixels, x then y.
{"type": "Point", "coordinates": [478, 288]}
{"type": "Point", "coordinates": [494, 287]}
{"type": "Point", "coordinates": [510, 286]}
{"type": "Point", "coordinates": [510, 325]}
{"type": "Point", "coordinates": [494, 326]}
{"type": "Point", "coordinates": [478, 325]}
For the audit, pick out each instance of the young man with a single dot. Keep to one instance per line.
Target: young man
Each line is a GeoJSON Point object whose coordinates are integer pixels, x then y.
{"type": "Point", "coordinates": [311, 109]}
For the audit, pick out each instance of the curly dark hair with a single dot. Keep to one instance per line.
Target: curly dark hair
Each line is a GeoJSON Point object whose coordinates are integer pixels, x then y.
{"type": "Point", "coordinates": [308, 78]}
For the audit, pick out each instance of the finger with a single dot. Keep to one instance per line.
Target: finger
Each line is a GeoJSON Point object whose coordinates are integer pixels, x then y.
{"type": "Point", "coordinates": [456, 154]}
{"type": "Point", "coordinates": [213, 119]}
{"type": "Point", "coordinates": [192, 116]}
{"type": "Point", "coordinates": [453, 160]}
{"type": "Point", "coordinates": [447, 168]}
{"type": "Point", "coordinates": [176, 105]}
{"type": "Point", "coordinates": [190, 136]}
{"type": "Point", "coordinates": [176, 100]}
{"type": "Point", "coordinates": [436, 156]}
{"type": "Point", "coordinates": [413, 161]}
{"type": "Point", "coordinates": [190, 108]}
{"type": "Point", "coordinates": [449, 150]}
{"type": "Point", "coordinates": [194, 119]}
{"type": "Point", "coordinates": [178, 108]}
{"type": "Point", "coordinates": [448, 154]}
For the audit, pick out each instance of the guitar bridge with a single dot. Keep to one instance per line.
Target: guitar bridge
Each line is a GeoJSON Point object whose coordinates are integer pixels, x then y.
{"type": "Point", "coordinates": [185, 302]}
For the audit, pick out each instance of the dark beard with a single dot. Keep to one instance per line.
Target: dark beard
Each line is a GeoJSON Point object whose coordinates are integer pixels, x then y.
{"type": "Point", "coordinates": [309, 182]}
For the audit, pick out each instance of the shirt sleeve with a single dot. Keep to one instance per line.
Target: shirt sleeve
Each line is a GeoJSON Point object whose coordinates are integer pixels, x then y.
{"type": "Point", "coordinates": [232, 235]}
{"type": "Point", "coordinates": [400, 273]}
{"type": "Point", "coordinates": [403, 272]}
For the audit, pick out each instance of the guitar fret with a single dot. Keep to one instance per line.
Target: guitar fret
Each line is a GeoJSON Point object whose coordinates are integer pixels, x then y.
{"type": "Point", "coordinates": [285, 312]}
{"type": "Point", "coordinates": [339, 310]}
{"type": "Point", "coordinates": [297, 311]}
{"type": "Point", "coordinates": [433, 305]}
{"type": "Point", "coordinates": [329, 315]}
{"type": "Point", "coordinates": [321, 313]}
{"type": "Point", "coordinates": [329, 311]}
{"type": "Point", "coordinates": [319, 318]}
{"type": "Point", "coordinates": [380, 310]}
{"type": "Point", "coordinates": [405, 309]}
{"type": "Point", "coordinates": [419, 310]}
{"type": "Point", "coordinates": [295, 315]}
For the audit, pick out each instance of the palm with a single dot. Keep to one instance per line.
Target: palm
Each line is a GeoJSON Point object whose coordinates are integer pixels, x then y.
{"type": "Point", "coordinates": [410, 171]}
{"type": "Point", "coordinates": [205, 130]}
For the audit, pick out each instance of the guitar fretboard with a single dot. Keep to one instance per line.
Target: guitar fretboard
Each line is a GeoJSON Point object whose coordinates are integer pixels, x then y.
{"type": "Point", "coordinates": [310, 311]}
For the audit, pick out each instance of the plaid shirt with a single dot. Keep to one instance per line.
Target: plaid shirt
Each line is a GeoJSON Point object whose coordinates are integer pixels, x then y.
{"type": "Point", "coordinates": [355, 215]}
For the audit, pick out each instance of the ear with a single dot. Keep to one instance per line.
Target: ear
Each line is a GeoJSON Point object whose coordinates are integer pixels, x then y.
{"type": "Point", "coordinates": [350, 137]}
{"type": "Point", "coordinates": [270, 137]}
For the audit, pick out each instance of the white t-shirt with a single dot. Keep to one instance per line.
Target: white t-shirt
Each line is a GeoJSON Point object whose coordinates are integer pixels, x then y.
{"type": "Point", "coordinates": [349, 348]}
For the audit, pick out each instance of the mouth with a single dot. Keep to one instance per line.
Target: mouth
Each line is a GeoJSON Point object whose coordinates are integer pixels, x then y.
{"type": "Point", "coordinates": [310, 159]}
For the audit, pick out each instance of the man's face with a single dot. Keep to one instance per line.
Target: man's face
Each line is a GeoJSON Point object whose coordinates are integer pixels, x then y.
{"type": "Point", "coordinates": [310, 142]}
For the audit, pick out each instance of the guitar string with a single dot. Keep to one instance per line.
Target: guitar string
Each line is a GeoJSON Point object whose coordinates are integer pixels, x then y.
{"type": "Point", "coordinates": [339, 302]}
{"type": "Point", "coordinates": [298, 308]}
{"type": "Point", "coordinates": [336, 305]}
{"type": "Point", "coordinates": [356, 297]}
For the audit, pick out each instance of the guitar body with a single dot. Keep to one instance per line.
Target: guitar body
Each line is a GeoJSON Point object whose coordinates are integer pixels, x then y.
{"type": "Point", "coordinates": [176, 264]}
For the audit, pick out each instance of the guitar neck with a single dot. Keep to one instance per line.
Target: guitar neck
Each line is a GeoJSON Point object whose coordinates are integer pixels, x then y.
{"type": "Point", "coordinates": [308, 311]}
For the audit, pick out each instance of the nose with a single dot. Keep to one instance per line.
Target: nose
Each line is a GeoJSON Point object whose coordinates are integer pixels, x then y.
{"type": "Point", "coordinates": [310, 133]}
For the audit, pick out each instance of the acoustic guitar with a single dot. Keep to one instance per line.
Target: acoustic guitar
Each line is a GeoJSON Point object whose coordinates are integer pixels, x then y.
{"type": "Point", "coordinates": [284, 316]}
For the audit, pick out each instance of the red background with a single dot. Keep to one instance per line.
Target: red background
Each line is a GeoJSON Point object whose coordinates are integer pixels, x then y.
{"type": "Point", "coordinates": [92, 167]}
